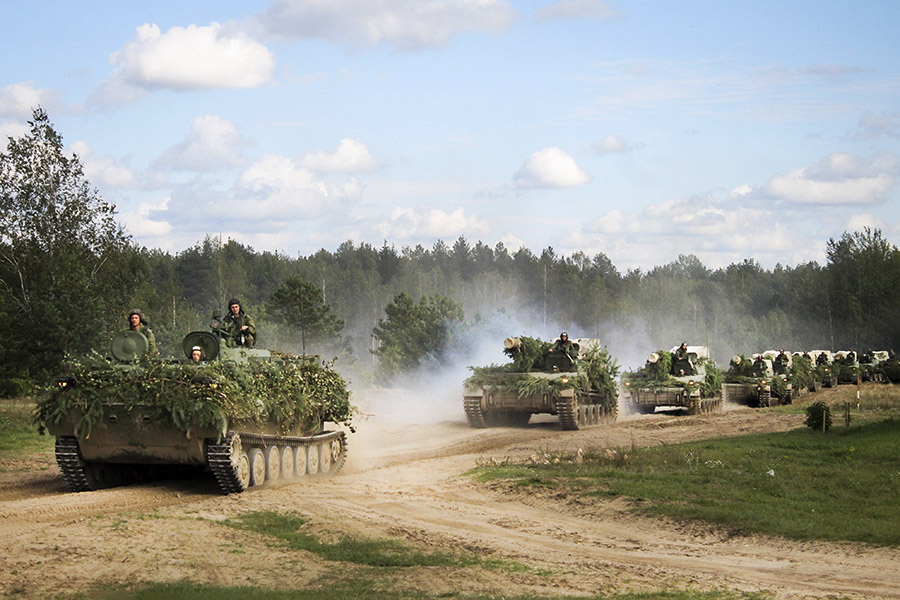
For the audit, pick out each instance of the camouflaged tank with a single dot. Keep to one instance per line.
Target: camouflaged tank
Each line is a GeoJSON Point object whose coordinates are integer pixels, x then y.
{"type": "Point", "coordinates": [250, 416]}
{"type": "Point", "coordinates": [578, 387]}
{"type": "Point", "coordinates": [689, 382]}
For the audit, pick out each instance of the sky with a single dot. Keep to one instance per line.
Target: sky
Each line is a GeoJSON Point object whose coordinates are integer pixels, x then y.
{"type": "Point", "coordinates": [642, 130]}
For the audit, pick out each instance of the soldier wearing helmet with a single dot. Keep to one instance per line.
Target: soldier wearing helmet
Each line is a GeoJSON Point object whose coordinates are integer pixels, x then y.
{"type": "Point", "coordinates": [237, 327]}
{"type": "Point", "coordinates": [564, 345]}
{"type": "Point", "coordinates": [138, 322]}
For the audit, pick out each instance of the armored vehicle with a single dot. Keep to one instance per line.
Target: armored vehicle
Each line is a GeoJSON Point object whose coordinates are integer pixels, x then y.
{"type": "Point", "coordinates": [845, 366]}
{"type": "Point", "coordinates": [685, 379]}
{"type": "Point", "coordinates": [248, 415]}
{"type": "Point", "coordinates": [755, 383]}
{"type": "Point", "coordinates": [576, 383]}
{"type": "Point", "coordinates": [871, 365]}
{"type": "Point", "coordinates": [823, 367]}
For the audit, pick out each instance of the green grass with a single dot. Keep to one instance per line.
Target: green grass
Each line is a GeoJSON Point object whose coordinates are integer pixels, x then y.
{"type": "Point", "coordinates": [373, 588]}
{"type": "Point", "coordinates": [376, 553]}
{"type": "Point", "coordinates": [799, 484]}
{"type": "Point", "coordinates": [18, 435]}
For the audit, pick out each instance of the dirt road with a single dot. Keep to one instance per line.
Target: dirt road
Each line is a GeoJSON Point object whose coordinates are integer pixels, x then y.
{"type": "Point", "coordinates": [407, 482]}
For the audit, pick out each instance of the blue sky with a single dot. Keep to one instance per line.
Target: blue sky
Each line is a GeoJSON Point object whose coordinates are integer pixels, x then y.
{"type": "Point", "coordinates": [642, 130]}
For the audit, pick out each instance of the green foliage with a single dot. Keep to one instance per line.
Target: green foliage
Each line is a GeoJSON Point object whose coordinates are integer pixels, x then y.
{"type": "Point", "coordinates": [61, 253]}
{"type": "Point", "coordinates": [301, 305]}
{"type": "Point", "coordinates": [818, 416]}
{"type": "Point", "coordinates": [595, 371]}
{"type": "Point", "coordinates": [802, 372]}
{"type": "Point", "coordinates": [414, 334]}
{"type": "Point", "coordinates": [290, 391]}
{"type": "Point", "coordinates": [657, 376]}
{"type": "Point", "coordinates": [839, 487]}
{"type": "Point", "coordinates": [528, 355]}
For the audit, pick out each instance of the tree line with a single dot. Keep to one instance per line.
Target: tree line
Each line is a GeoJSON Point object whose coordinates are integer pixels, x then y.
{"type": "Point", "coordinates": [69, 276]}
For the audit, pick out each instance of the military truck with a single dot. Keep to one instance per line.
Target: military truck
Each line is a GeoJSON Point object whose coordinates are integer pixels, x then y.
{"type": "Point", "coordinates": [684, 378]}
{"type": "Point", "coordinates": [248, 415]}
{"type": "Point", "coordinates": [577, 385]}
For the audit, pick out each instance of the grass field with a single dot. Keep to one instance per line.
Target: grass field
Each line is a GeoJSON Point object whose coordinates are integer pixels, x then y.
{"type": "Point", "coordinates": [806, 485]}
{"type": "Point", "coordinates": [18, 435]}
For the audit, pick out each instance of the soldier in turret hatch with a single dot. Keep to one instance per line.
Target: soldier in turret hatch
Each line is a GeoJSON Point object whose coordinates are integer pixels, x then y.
{"type": "Point", "coordinates": [564, 345]}
{"type": "Point", "coordinates": [237, 327]}
{"type": "Point", "coordinates": [138, 322]}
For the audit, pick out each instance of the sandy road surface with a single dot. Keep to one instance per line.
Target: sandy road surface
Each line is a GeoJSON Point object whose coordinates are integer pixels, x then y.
{"type": "Point", "coordinates": [406, 482]}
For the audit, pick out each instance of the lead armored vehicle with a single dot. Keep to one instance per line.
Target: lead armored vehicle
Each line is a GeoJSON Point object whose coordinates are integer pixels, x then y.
{"type": "Point", "coordinates": [248, 415]}
{"type": "Point", "coordinates": [689, 381]}
{"type": "Point", "coordinates": [578, 385]}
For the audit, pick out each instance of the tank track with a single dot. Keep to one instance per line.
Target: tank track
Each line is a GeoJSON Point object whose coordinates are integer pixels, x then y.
{"type": "Point", "coordinates": [474, 414]}
{"type": "Point", "coordinates": [68, 457]}
{"type": "Point", "coordinates": [574, 415]}
{"type": "Point", "coordinates": [223, 456]}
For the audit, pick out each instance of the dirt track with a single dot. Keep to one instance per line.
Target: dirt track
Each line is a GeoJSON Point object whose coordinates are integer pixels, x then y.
{"type": "Point", "coordinates": [405, 481]}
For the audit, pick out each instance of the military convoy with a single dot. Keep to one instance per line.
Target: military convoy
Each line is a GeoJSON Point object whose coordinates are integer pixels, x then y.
{"type": "Point", "coordinates": [250, 416]}
{"type": "Point", "coordinates": [576, 383]}
{"type": "Point", "coordinates": [684, 378]}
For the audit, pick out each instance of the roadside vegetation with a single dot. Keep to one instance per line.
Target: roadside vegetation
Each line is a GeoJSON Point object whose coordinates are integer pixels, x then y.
{"type": "Point", "coordinates": [801, 484]}
{"type": "Point", "coordinates": [18, 434]}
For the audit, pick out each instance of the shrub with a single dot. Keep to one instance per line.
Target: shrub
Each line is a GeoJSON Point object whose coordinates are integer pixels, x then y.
{"type": "Point", "coordinates": [818, 416]}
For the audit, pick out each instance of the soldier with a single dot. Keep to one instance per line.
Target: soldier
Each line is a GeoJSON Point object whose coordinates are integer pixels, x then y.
{"type": "Point", "coordinates": [138, 322]}
{"type": "Point", "coordinates": [196, 354]}
{"type": "Point", "coordinates": [681, 353]}
{"type": "Point", "coordinates": [237, 327]}
{"type": "Point", "coordinates": [564, 345]}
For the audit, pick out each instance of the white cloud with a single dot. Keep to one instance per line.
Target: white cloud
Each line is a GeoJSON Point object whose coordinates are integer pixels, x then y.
{"type": "Point", "coordinates": [405, 24]}
{"type": "Point", "coordinates": [18, 100]}
{"type": "Point", "coordinates": [717, 232]}
{"type": "Point", "coordinates": [740, 191]}
{"type": "Point", "coordinates": [872, 126]}
{"type": "Point", "coordinates": [550, 168]}
{"type": "Point", "coordinates": [576, 9]}
{"type": "Point", "coordinates": [276, 187]}
{"type": "Point", "coordinates": [860, 221]}
{"type": "Point", "coordinates": [140, 223]}
{"type": "Point", "coordinates": [187, 58]}
{"type": "Point", "coordinates": [352, 156]}
{"type": "Point", "coordinates": [611, 144]}
{"type": "Point", "coordinates": [838, 179]}
{"type": "Point", "coordinates": [211, 143]}
{"type": "Point", "coordinates": [102, 172]}
{"type": "Point", "coordinates": [410, 224]}
{"type": "Point", "coordinates": [12, 129]}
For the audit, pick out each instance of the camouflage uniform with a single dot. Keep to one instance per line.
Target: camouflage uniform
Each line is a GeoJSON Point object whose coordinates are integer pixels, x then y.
{"type": "Point", "coordinates": [152, 350]}
{"type": "Point", "coordinates": [231, 328]}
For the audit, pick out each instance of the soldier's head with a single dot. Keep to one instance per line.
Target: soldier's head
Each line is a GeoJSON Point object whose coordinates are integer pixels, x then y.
{"type": "Point", "coordinates": [564, 336]}
{"type": "Point", "coordinates": [136, 319]}
{"type": "Point", "coordinates": [234, 305]}
{"type": "Point", "coordinates": [196, 354]}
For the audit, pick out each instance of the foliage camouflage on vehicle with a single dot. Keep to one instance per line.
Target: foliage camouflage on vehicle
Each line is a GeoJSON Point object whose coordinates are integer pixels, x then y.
{"type": "Point", "coordinates": [657, 375]}
{"type": "Point", "coordinates": [291, 392]}
{"type": "Point", "coordinates": [595, 370]}
{"type": "Point", "coordinates": [581, 389]}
